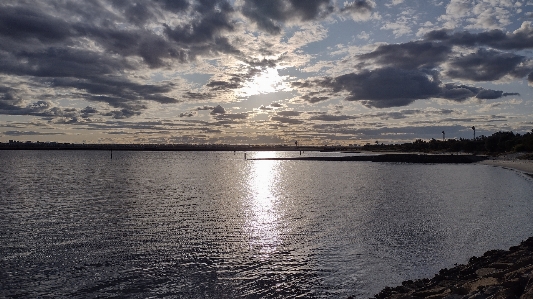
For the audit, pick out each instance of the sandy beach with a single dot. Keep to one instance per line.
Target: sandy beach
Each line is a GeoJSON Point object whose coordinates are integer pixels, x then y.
{"type": "Point", "coordinates": [511, 162]}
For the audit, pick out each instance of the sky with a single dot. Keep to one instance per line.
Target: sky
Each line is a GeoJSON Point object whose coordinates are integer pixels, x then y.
{"type": "Point", "coordinates": [320, 72]}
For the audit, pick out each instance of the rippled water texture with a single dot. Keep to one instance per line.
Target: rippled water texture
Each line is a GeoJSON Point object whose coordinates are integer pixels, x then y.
{"type": "Point", "coordinates": [211, 225]}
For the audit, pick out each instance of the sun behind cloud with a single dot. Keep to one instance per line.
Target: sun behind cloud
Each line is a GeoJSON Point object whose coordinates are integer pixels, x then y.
{"type": "Point", "coordinates": [267, 81]}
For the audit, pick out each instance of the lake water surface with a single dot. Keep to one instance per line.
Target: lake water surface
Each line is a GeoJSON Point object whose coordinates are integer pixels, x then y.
{"type": "Point", "coordinates": [78, 224]}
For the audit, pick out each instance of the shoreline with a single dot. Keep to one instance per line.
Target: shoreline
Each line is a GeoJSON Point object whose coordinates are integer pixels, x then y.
{"type": "Point", "coordinates": [510, 162]}
{"type": "Point", "coordinates": [496, 274]}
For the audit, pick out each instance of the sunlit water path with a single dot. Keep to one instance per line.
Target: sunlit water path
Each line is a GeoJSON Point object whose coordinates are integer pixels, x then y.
{"type": "Point", "coordinates": [78, 224]}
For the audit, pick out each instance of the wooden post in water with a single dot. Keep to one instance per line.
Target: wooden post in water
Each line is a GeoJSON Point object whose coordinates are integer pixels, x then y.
{"type": "Point", "coordinates": [111, 154]}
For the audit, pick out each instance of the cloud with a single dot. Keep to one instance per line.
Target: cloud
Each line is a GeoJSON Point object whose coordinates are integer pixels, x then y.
{"type": "Point", "coordinates": [485, 65]}
{"type": "Point", "coordinates": [400, 27]}
{"type": "Point", "coordinates": [223, 118]}
{"type": "Point", "coordinates": [271, 15]}
{"type": "Point", "coordinates": [386, 87]}
{"type": "Point", "coordinates": [30, 133]}
{"type": "Point", "coordinates": [218, 110]}
{"type": "Point", "coordinates": [289, 113]}
{"type": "Point", "coordinates": [37, 45]}
{"type": "Point", "coordinates": [393, 87]}
{"type": "Point", "coordinates": [520, 39]}
{"type": "Point", "coordinates": [492, 14]}
{"type": "Point", "coordinates": [24, 23]}
{"type": "Point", "coordinates": [88, 111]}
{"type": "Point", "coordinates": [175, 6]}
{"type": "Point", "coordinates": [359, 10]}
{"type": "Point", "coordinates": [203, 108]}
{"type": "Point", "coordinates": [311, 98]}
{"type": "Point", "coordinates": [90, 49]}
{"type": "Point", "coordinates": [286, 120]}
{"type": "Point", "coordinates": [204, 34]}
{"type": "Point", "coordinates": [410, 55]}
{"type": "Point", "coordinates": [123, 113]}
{"type": "Point", "coordinates": [187, 114]}
{"type": "Point", "coordinates": [460, 93]}
{"type": "Point", "coordinates": [329, 117]}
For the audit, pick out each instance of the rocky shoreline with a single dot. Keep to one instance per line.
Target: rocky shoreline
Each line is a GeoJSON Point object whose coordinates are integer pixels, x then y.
{"type": "Point", "coordinates": [496, 274]}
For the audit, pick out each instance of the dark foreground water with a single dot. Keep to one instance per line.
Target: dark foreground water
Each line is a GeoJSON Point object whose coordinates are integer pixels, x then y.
{"type": "Point", "coordinates": [77, 224]}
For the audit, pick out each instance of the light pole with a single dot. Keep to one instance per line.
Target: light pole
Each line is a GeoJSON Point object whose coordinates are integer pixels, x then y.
{"type": "Point", "coordinates": [443, 138]}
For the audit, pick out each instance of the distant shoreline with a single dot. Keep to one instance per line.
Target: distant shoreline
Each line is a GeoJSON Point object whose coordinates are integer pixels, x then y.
{"type": "Point", "coordinates": [164, 147]}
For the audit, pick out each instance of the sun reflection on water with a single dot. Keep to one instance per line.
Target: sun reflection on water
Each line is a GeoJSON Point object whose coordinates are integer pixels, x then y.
{"type": "Point", "coordinates": [262, 223]}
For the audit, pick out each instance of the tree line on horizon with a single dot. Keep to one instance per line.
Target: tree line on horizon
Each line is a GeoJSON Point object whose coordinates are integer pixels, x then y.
{"type": "Point", "coordinates": [498, 142]}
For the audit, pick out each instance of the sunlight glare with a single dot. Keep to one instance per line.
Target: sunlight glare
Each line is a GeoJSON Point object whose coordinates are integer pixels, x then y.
{"type": "Point", "coordinates": [267, 81]}
{"type": "Point", "coordinates": [262, 223]}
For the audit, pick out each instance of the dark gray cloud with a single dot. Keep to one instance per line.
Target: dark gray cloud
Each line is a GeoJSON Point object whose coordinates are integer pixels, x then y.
{"type": "Point", "coordinates": [519, 40]}
{"type": "Point", "coordinates": [313, 98]}
{"type": "Point", "coordinates": [204, 35]}
{"type": "Point", "coordinates": [123, 113]}
{"type": "Point", "coordinates": [387, 87]}
{"type": "Point", "coordinates": [486, 65]}
{"type": "Point", "coordinates": [11, 105]}
{"type": "Point", "coordinates": [187, 114]}
{"type": "Point", "coordinates": [329, 117]}
{"type": "Point", "coordinates": [45, 42]}
{"type": "Point", "coordinates": [175, 6]}
{"type": "Point", "coordinates": [25, 23]}
{"type": "Point", "coordinates": [460, 93]}
{"type": "Point", "coordinates": [270, 15]}
{"type": "Point", "coordinates": [410, 55]}
{"type": "Point", "coordinates": [217, 85]}
{"type": "Point", "coordinates": [89, 110]}
{"type": "Point", "coordinates": [286, 120]}
{"type": "Point", "coordinates": [289, 113]}
{"type": "Point", "coordinates": [393, 87]}
{"type": "Point", "coordinates": [197, 95]}
{"type": "Point", "coordinates": [218, 110]}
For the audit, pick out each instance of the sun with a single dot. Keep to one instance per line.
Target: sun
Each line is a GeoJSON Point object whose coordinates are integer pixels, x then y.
{"type": "Point", "coordinates": [267, 81]}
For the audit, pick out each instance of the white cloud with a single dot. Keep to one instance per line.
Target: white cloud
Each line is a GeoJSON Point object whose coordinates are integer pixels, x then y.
{"type": "Point", "coordinates": [402, 26]}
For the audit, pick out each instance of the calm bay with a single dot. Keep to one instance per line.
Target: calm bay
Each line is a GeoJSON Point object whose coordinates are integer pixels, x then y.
{"type": "Point", "coordinates": [79, 224]}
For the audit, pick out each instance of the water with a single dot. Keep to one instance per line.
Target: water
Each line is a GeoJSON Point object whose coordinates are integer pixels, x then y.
{"type": "Point", "coordinates": [211, 225]}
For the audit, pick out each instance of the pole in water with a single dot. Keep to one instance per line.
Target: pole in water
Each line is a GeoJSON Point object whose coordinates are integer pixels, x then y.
{"type": "Point", "coordinates": [245, 156]}
{"type": "Point", "coordinates": [111, 154]}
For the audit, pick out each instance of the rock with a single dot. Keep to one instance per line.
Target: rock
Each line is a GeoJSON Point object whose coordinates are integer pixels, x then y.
{"type": "Point", "coordinates": [496, 274]}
